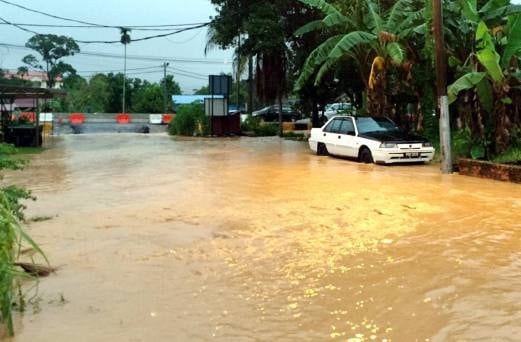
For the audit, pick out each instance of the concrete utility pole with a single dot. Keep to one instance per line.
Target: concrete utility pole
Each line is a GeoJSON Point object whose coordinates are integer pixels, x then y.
{"type": "Point", "coordinates": [165, 95]}
{"type": "Point", "coordinates": [441, 78]}
{"type": "Point", "coordinates": [125, 81]}
{"type": "Point", "coordinates": [125, 39]}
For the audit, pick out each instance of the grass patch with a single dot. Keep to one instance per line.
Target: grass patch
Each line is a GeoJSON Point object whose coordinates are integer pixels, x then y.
{"type": "Point", "coordinates": [30, 150]}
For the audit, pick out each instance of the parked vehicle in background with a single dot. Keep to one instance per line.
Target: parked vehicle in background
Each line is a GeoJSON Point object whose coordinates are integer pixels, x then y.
{"type": "Point", "coordinates": [369, 139]}
{"type": "Point", "coordinates": [333, 109]}
{"type": "Point", "coordinates": [271, 114]}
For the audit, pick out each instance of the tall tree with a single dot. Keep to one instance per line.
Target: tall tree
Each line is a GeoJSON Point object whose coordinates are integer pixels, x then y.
{"type": "Point", "coordinates": [262, 28]}
{"type": "Point", "coordinates": [51, 48]}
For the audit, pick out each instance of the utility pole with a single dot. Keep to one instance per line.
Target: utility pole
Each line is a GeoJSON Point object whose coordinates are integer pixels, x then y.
{"type": "Point", "coordinates": [125, 81]}
{"type": "Point", "coordinates": [441, 80]}
{"type": "Point", "coordinates": [165, 95]}
{"type": "Point", "coordinates": [125, 39]}
{"type": "Point", "coordinates": [238, 73]}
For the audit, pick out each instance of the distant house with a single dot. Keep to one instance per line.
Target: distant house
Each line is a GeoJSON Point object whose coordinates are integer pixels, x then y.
{"type": "Point", "coordinates": [38, 78]}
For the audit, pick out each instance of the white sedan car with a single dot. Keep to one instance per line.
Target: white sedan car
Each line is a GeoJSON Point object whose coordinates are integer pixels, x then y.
{"type": "Point", "coordinates": [370, 140]}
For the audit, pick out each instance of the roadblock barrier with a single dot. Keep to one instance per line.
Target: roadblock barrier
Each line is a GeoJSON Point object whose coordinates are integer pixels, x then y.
{"type": "Point", "coordinates": [123, 118]}
{"type": "Point", "coordinates": [76, 118]}
{"type": "Point", "coordinates": [155, 119]}
{"type": "Point", "coordinates": [46, 117]}
{"type": "Point", "coordinates": [167, 118]}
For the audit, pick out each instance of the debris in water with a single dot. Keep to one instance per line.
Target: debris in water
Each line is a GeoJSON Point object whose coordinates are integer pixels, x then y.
{"type": "Point", "coordinates": [36, 269]}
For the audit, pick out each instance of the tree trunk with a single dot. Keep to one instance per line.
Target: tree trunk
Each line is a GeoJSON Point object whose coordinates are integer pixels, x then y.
{"type": "Point", "coordinates": [315, 120]}
{"type": "Point", "coordinates": [280, 114]}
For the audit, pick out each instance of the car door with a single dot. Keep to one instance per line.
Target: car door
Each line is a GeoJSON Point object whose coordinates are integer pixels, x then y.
{"type": "Point", "coordinates": [329, 135]}
{"type": "Point", "coordinates": [346, 139]}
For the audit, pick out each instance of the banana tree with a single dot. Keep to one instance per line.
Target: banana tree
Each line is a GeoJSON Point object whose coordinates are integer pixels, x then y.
{"type": "Point", "coordinates": [377, 41]}
{"type": "Point", "coordinates": [492, 70]}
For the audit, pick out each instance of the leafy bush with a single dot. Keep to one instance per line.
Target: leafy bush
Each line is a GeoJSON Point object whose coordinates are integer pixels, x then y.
{"type": "Point", "coordinates": [259, 128]}
{"type": "Point", "coordinates": [190, 120]}
{"type": "Point", "coordinates": [463, 146]}
{"type": "Point", "coordinates": [510, 156]}
{"type": "Point", "coordinates": [11, 236]}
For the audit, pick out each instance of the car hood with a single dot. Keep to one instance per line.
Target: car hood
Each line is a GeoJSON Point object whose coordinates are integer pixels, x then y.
{"type": "Point", "coordinates": [397, 136]}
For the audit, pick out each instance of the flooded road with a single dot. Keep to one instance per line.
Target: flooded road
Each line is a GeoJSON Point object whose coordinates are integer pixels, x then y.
{"type": "Point", "coordinates": [260, 240]}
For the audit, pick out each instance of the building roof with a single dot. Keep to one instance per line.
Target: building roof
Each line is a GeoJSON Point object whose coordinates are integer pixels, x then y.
{"type": "Point", "coordinates": [188, 99]}
{"type": "Point", "coordinates": [11, 93]}
{"type": "Point", "coordinates": [29, 76]}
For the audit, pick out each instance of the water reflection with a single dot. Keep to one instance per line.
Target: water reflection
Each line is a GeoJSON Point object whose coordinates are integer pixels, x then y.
{"type": "Point", "coordinates": [257, 239]}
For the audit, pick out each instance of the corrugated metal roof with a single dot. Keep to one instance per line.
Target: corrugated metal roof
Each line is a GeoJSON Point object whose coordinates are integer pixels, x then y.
{"type": "Point", "coordinates": [188, 99]}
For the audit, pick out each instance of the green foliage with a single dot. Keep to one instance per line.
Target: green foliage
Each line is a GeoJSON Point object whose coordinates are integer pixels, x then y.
{"type": "Point", "coordinates": [14, 195]}
{"type": "Point", "coordinates": [467, 81]}
{"type": "Point", "coordinates": [510, 156]}
{"type": "Point", "coordinates": [103, 93]}
{"type": "Point", "coordinates": [51, 48]}
{"type": "Point", "coordinates": [461, 143]}
{"type": "Point", "coordinates": [258, 128]}
{"type": "Point", "coordinates": [12, 236]}
{"type": "Point", "coordinates": [190, 120]}
{"type": "Point", "coordinates": [8, 158]}
{"type": "Point", "coordinates": [204, 90]}
{"type": "Point", "coordinates": [150, 100]}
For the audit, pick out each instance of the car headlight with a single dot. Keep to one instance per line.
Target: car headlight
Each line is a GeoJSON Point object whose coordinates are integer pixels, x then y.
{"type": "Point", "coordinates": [388, 145]}
{"type": "Point", "coordinates": [427, 144]}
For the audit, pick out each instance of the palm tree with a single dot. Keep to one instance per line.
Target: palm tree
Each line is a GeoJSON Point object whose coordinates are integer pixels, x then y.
{"type": "Point", "coordinates": [368, 35]}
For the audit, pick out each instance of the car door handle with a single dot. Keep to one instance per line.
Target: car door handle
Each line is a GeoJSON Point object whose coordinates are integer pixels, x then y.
{"type": "Point", "coordinates": [325, 134]}
{"type": "Point", "coordinates": [339, 137]}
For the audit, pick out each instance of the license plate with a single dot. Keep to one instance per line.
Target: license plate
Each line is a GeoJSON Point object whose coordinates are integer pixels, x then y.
{"type": "Point", "coordinates": [412, 155]}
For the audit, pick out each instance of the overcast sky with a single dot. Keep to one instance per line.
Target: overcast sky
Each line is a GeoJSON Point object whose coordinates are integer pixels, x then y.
{"type": "Point", "coordinates": [189, 45]}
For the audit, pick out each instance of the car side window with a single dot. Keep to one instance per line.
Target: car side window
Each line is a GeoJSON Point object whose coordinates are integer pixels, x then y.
{"type": "Point", "coordinates": [347, 127]}
{"type": "Point", "coordinates": [334, 126]}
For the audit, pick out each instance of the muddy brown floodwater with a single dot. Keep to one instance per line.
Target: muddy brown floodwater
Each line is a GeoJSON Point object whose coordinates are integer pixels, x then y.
{"type": "Point", "coordinates": [260, 240]}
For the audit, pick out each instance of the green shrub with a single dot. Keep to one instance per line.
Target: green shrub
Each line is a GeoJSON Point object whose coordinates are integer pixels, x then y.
{"type": "Point", "coordinates": [190, 120]}
{"type": "Point", "coordinates": [512, 155]}
{"type": "Point", "coordinates": [259, 128]}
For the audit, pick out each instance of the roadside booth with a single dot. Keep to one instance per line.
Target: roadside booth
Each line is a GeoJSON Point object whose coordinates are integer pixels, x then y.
{"type": "Point", "coordinates": [28, 131]}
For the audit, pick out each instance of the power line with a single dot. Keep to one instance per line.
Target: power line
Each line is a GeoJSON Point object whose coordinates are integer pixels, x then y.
{"type": "Point", "coordinates": [133, 27]}
{"type": "Point", "coordinates": [118, 70]}
{"type": "Point", "coordinates": [188, 72]}
{"type": "Point", "coordinates": [132, 57]}
{"type": "Point", "coordinates": [146, 38]}
{"type": "Point", "coordinates": [85, 22]}
{"type": "Point", "coordinates": [110, 41]}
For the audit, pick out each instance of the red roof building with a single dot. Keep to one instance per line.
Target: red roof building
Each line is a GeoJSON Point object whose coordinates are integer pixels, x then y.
{"type": "Point", "coordinates": [37, 77]}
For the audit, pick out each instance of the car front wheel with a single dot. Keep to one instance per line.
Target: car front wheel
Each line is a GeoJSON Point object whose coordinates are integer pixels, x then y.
{"type": "Point", "coordinates": [322, 150]}
{"type": "Point", "coordinates": [365, 156]}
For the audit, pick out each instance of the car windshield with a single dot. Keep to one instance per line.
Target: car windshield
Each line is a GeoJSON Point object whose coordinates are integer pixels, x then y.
{"type": "Point", "coordinates": [366, 125]}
